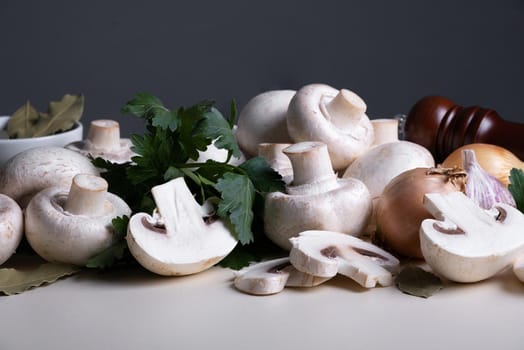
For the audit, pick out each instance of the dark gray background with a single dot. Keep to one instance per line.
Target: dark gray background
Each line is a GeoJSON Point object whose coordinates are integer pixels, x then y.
{"type": "Point", "coordinates": [390, 52]}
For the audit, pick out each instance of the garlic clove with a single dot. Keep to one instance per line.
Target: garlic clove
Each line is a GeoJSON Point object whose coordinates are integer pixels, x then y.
{"type": "Point", "coordinates": [483, 188]}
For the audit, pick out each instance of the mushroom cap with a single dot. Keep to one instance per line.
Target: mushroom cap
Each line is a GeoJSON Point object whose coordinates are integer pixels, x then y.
{"type": "Point", "coordinates": [38, 168]}
{"type": "Point", "coordinates": [121, 155]}
{"type": "Point", "coordinates": [186, 243]}
{"type": "Point", "coordinates": [59, 236]}
{"type": "Point", "coordinates": [346, 208]}
{"type": "Point", "coordinates": [380, 164]}
{"type": "Point", "coordinates": [308, 119]}
{"type": "Point", "coordinates": [11, 227]}
{"type": "Point", "coordinates": [465, 243]}
{"type": "Point", "coordinates": [263, 119]}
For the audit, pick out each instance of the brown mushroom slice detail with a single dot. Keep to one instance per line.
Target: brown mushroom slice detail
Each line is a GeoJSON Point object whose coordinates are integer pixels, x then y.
{"type": "Point", "coordinates": [326, 253]}
{"type": "Point", "coordinates": [465, 243]}
{"type": "Point", "coordinates": [270, 277]}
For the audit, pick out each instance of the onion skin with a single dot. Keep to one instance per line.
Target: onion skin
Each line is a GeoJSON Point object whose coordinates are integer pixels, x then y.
{"type": "Point", "coordinates": [400, 211]}
{"type": "Point", "coordinates": [495, 160]}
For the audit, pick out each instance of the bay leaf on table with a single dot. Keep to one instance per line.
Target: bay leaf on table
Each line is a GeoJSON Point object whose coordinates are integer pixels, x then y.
{"type": "Point", "coordinates": [14, 281]}
{"type": "Point", "coordinates": [418, 282]}
{"type": "Point", "coordinates": [20, 125]}
{"type": "Point", "coordinates": [61, 116]}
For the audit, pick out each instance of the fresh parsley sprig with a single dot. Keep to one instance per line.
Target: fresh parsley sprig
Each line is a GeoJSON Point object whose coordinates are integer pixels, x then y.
{"type": "Point", "coordinates": [169, 148]}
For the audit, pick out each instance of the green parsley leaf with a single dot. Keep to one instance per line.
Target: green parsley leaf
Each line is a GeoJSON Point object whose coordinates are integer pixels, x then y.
{"type": "Point", "coordinates": [213, 126]}
{"type": "Point", "coordinates": [516, 187]}
{"type": "Point", "coordinates": [237, 193]}
{"type": "Point", "coordinates": [265, 178]}
{"type": "Point", "coordinates": [111, 255]}
{"type": "Point", "coordinates": [143, 105]}
{"type": "Point", "coordinates": [166, 119]}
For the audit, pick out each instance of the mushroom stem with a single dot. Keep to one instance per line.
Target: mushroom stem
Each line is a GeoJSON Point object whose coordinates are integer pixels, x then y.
{"type": "Point", "coordinates": [344, 109]}
{"type": "Point", "coordinates": [385, 130]}
{"type": "Point", "coordinates": [310, 162]}
{"type": "Point", "coordinates": [104, 134]}
{"type": "Point", "coordinates": [87, 196]}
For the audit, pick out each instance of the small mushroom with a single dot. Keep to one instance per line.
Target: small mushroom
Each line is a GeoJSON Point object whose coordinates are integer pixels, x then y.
{"type": "Point", "coordinates": [316, 199]}
{"type": "Point", "coordinates": [263, 119]}
{"type": "Point", "coordinates": [185, 238]}
{"type": "Point", "coordinates": [38, 168]}
{"type": "Point", "coordinates": [73, 226]}
{"type": "Point", "coordinates": [322, 113]}
{"type": "Point", "coordinates": [270, 277]}
{"type": "Point", "coordinates": [325, 253]}
{"type": "Point", "coordinates": [103, 141]}
{"type": "Point", "coordinates": [465, 243]}
{"type": "Point", "coordinates": [11, 227]}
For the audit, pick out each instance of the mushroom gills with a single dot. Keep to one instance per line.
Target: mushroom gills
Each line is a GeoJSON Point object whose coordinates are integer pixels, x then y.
{"type": "Point", "coordinates": [465, 243]}
{"type": "Point", "coordinates": [326, 253]}
{"type": "Point", "coordinates": [189, 244]}
{"type": "Point", "coordinates": [270, 277]}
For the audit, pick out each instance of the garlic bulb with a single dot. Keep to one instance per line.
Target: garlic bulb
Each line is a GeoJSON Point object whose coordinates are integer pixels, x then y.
{"type": "Point", "coordinates": [483, 188]}
{"type": "Point", "coordinates": [495, 160]}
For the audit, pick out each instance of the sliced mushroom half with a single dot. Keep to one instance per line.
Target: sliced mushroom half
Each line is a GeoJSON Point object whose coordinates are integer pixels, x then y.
{"type": "Point", "coordinates": [184, 238]}
{"type": "Point", "coordinates": [270, 277]}
{"type": "Point", "coordinates": [326, 253]}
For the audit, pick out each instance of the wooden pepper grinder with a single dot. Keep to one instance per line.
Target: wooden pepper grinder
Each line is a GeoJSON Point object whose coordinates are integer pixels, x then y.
{"type": "Point", "coordinates": [442, 126]}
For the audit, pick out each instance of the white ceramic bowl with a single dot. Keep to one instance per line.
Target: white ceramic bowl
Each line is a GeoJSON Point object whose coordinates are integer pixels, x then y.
{"type": "Point", "coordinates": [9, 148]}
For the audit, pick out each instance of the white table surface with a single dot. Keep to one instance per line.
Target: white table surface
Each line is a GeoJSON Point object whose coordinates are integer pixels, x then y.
{"type": "Point", "coordinates": [134, 309]}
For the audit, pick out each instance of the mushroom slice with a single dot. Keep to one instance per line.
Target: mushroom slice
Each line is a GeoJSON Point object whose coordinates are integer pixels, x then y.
{"type": "Point", "coordinates": [270, 277]}
{"type": "Point", "coordinates": [466, 243]}
{"type": "Point", "coordinates": [326, 253]}
{"type": "Point", "coordinates": [11, 227]}
{"type": "Point", "coordinates": [103, 140]}
{"type": "Point", "coordinates": [186, 240]}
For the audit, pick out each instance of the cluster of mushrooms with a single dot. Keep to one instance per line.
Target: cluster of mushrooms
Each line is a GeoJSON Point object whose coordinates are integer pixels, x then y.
{"type": "Point", "coordinates": [57, 199]}
{"type": "Point", "coordinates": [336, 164]}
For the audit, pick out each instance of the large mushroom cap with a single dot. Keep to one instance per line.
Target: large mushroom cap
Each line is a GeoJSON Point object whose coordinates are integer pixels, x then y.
{"type": "Point", "coordinates": [319, 112]}
{"type": "Point", "coordinates": [38, 168]}
{"type": "Point", "coordinates": [263, 119]}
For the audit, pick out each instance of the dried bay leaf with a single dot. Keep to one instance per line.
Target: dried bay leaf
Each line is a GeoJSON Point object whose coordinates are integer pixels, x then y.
{"type": "Point", "coordinates": [62, 115]}
{"type": "Point", "coordinates": [418, 282]}
{"type": "Point", "coordinates": [21, 122]}
{"type": "Point", "coordinates": [14, 281]}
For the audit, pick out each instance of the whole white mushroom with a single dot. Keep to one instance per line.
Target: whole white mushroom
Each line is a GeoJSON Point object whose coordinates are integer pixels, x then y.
{"type": "Point", "coordinates": [263, 120]}
{"type": "Point", "coordinates": [319, 112]}
{"type": "Point", "coordinates": [11, 227]}
{"type": "Point", "coordinates": [73, 226]}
